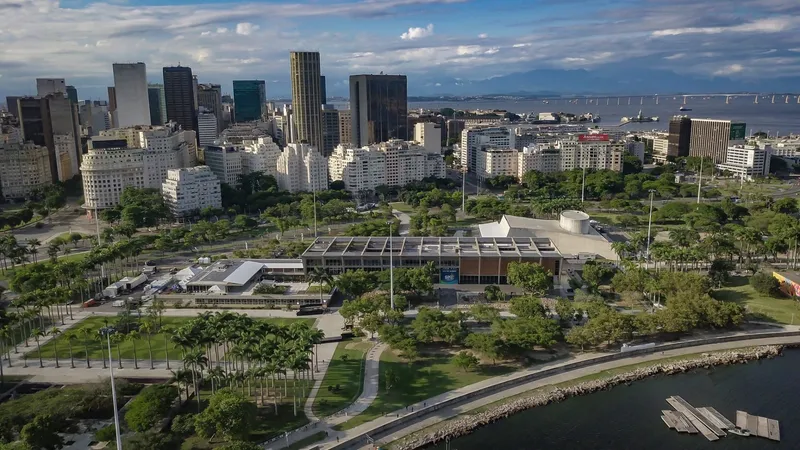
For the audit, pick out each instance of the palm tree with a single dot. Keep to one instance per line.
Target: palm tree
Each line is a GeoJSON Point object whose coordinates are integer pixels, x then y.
{"type": "Point", "coordinates": [38, 333]}
{"type": "Point", "coordinates": [33, 245]}
{"type": "Point", "coordinates": [197, 361]}
{"type": "Point", "coordinates": [167, 332]}
{"type": "Point", "coordinates": [116, 338]}
{"type": "Point", "coordinates": [71, 337]}
{"type": "Point", "coordinates": [147, 328]}
{"type": "Point", "coordinates": [54, 332]}
{"type": "Point", "coordinates": [183, 378]}
{"type": "Point", "coordinates": [321, 277]}
{"type": "Point", "coordinates": [87, 334]}
{"type": "Point", "coordinates": [102, 340]}
{"type": "Point", "coordinates": [132, 337]}
{"type": "Point", "coordinates": [6, 334]}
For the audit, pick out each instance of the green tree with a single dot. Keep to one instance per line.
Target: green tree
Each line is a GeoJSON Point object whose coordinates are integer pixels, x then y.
{"type": "Point", "coordinates": [493, 293]}
{"type": "Point", "coordinates": [465, 361]}
{"type": "Point", "coordinates": [531, 277]}
{"type": "Point", "coordinates": [527, 306]}
{"type": "Point", "coordinates": [150, 440]}
{"type": "Point", "coordinates": [488, 344]}
{"type": "Point", "coordinates": [355, 283]}
{"type": "Point", "coordinates": [42, 433]}
{"type": "Point", "coordinates": [765, 283]}
{"type": "Point", "coordinates": [150, 406]}
{"type": "Point", "coordinates": [565, 310]}
{"type": "Point", "coordinates": [240, 445]}
{"type": "Point", "coordinates": [229, 414]}
{"type": "Point", "coordinates": [484, 313]}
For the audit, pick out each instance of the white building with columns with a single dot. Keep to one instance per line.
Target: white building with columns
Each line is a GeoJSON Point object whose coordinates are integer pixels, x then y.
{"type": "Point", "coordinates": [302, 168]}
{"type": "Point", "coordinates": [189, 190]}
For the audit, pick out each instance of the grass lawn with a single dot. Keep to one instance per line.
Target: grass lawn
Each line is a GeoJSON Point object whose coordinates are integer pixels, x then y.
{"type": "Point", "coordinates": [268, 424]}
{"type": "Point", "coordinates": [346, 372]}
{"type": "Point", "coordinates": [97, 349]}
{"type": "Point", "coordinates": [402, 207]}
{"type": "Point", "coordinates": [424, 378]}
{"type": "Point", "coordinates": [759, 306]}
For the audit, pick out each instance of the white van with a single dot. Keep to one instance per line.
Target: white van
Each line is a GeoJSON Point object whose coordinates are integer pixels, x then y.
{"type": "Point", "coordinates": [118, 304]}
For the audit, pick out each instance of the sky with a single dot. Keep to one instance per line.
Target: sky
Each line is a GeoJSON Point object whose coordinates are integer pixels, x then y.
{"type": "Point", "coordinates": [428, 40]}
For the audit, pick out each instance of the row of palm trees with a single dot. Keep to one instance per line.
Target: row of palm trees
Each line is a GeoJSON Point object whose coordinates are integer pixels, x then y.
{"type": "Point", "coordinates": [226, 349]}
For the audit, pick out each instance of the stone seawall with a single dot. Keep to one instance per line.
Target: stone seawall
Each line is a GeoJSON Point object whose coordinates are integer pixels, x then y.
{"type": "Point", "coordinates": [466, 424]}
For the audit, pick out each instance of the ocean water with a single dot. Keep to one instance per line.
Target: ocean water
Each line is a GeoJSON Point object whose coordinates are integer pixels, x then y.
{"type": "Point", "coordinates": [629, 417]}
{"type": "Point", "coordinates": [778, 117]}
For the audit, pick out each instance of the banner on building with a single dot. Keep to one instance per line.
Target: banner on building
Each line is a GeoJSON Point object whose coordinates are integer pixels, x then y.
{"type": "Point", "coordinates": [738, 131]}
{"type": "Point", "coordinates": [593, 138]}
{"type": "Point", "coordinates": [448, 275]}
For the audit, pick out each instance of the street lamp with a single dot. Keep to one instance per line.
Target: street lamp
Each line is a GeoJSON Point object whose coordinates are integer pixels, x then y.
{"type": "Point", "coordinates": [107, 332]}
{"type": "Point", "coordinates": [649, 225]}
{"type": "Point", "coordinates": [391, 267]}
{"type": "Point", "coordinates": [700, 180]}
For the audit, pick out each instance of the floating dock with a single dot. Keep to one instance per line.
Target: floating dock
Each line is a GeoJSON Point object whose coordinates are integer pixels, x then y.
{"type": "Point", "coordinates": [678, 421]}
{"type": "Point", "coordinates": [718, 419]}
{"type": "Point", "coordinates": [703, 425]}
{"type": "Point", "coordinates": [759, 426]}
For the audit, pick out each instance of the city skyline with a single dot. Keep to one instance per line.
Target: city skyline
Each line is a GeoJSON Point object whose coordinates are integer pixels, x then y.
{"type": "Point", "coordinates": [431, 41]}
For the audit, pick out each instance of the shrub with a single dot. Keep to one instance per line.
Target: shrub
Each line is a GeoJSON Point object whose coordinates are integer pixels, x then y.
{"type": "Point", "coordinates": [183, 424]}
{"type": "Point", "coordinates": [107, 433]}
{"type": "Point", "coordinates": [150, 406]}
{"type": "Point", "coordinates": [765, 283]}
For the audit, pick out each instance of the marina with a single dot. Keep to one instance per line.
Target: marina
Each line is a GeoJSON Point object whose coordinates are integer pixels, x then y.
{"type": "Point", "coordinates": [713, 425]}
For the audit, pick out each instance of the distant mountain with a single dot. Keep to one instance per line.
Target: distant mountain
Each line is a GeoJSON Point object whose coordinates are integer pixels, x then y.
{"type": "Point", "coordinates": [602, 81]}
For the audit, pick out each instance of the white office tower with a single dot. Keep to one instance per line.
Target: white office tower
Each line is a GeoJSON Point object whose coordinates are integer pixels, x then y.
{"type": "Point", "coordinates": [23, 168]}
{"type": "Point", "coordinates": [262, 156]}
{"type": "Point", "coordinates": [493, 162]}
{"type": "Point", "coordinates": [225, 161]}
{"type": "Point", "coordinates": [591, 152]}
{"type": "Point", "coordinates": [747, 162]}
{"type": "Point", "coordinates": [392, 163]}
{"type": "Point", "coordinates": [45, 86]}
{"type": "Point", "coordinates": [301, 168]}
{"type": "Point", "coordinates": [130, 86]}
{"type": "Point", "coordinates": [473, 139]}
{"type": "Point", "coordinates": [188, 191]}
{"type": "Point", "coordinates": [207, 127]}
{"type": "Point", "coordinates": [539, 157]}
{"type": "Point", "coordinates": [136, 156]}
{"type": "Point", "coordinates": [660, 149]}
{"type": "Point", "coordinates": [429, 135]}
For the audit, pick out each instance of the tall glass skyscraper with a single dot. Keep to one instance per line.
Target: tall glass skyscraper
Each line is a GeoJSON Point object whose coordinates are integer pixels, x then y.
{"type": "Point", "coordinates": [158, 105]}
{"type": "Point", "coordinates": [379, 108]}
{"type": "Point", "coordinates": [304, 68]}
{"type": "Point", "coordinates": [249, 98]}
{"type": "Point", "coordinates": [179, 95]}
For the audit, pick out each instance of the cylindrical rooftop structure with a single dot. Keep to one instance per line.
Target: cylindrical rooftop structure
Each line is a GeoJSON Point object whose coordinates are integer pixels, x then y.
{"type": "Point", "coordinates": [574, 221]}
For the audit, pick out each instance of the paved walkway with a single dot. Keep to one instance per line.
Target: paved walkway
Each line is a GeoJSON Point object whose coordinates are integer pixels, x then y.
{"type": "Point", "coordinates": [364, 400]}
{"type": "Point", "coordinates": [353, 438]}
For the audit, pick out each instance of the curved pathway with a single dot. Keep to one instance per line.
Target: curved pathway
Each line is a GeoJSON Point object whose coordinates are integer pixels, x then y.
{"type": "Point", "coordinates": [364, 400]}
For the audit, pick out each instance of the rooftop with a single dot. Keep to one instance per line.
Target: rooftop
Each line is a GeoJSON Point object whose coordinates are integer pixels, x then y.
{"type": "Point", "coordinates": [431, 246]}
{"type": "Point", "coordinates": [235, 272]}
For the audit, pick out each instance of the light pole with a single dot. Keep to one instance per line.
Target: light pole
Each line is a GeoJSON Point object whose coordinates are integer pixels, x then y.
{"type": "Point", "coordinates": [700, 180]}
{"type": "Point", "coordinates": [463, 189]}
{"type": "Point", "coordinates": [97, 227]}
{"type": "Point", "coordinates": [649, 225]}
{"type": "Point", "coordinates": [314, 193]}
{"type": "Point", "coordinates": [107, 332]}
{"type": "Point", "coordinates": [391, 269]}
{"type": "Point", "coordinates": [583, 184]}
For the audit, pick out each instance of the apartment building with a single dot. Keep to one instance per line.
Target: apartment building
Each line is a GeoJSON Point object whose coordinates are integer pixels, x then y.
{"type": "Point", "coordinates": [591, 151]}
{"type": "Point", "coordinates": [429, 136]}
{"type": "Point", "coordinates": [24, 167]}
{"type": "Point", "coordinates": [472, 139]}
{"type": "Point", "coordinates": [493, 162]}
{"type": "Point", "coordinates": [225, 161]}
{"type": "Point", "coordinates": [302, 168]}
{"type": "Point", "coordinates": [261, 155]}
{"type": "Point", "coordinates": [540, 157]}
{"type": "Point", "coordinates": [189, 190]}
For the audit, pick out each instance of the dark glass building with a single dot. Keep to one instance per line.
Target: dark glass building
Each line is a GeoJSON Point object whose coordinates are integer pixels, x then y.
{"type": "Point", "coordinates": [72, 94]}
{"type": "Point", "coordinates": [680, 136]}
{"type": "Point", "coordinates": [154, 94]}
{"type": "Point", "coordinates": [179, 97]}
{"type": "Point", "coordinates": [379, 107]}
{"type": "Point", "coordinates": [323, 90]}
{"type": "Point", "coordinates": [249, 98]}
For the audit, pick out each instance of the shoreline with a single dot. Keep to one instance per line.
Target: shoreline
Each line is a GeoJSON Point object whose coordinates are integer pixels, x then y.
{"type": "Point", "coordinates": [467, 423]}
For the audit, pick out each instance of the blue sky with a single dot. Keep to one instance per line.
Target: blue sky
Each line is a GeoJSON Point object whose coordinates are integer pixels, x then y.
{"type": "Point", "coordinates": [429, 40]}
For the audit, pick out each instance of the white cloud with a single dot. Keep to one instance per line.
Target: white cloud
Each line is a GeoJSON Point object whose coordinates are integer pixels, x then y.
{"type": "Point", "coordinates": [675, 56]}
{"type": "Point", "coordinates": [520, 45]}
{"type": "Point", "coordinates": [491, 51]}
{"type": "Point", "coordinates": [417, 33]}
{"type": "Point", "coordinates": [205, 33]}
{"type": "Point", "coordinates": [201, 54]}
{"type": "Point", "coordinates": [772, 25]}
{"type": "Point", "coordinates": [222, 30]}
{"type": "Point", "coordinates": [463, 50]}
{"type": "Point", "coordinates": [483, 35]}
{"type": "Point", "coordinates": [729, 70]}
{"type": "Point", "coordinates": [246, 28]}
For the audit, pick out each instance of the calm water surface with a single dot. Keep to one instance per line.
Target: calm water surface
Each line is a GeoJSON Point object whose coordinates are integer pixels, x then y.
{"type": "Point", "coordinates": [629, 417]}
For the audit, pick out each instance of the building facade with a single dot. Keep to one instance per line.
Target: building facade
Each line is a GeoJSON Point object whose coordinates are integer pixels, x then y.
{"type": "Point", "coordinates": [747, 162]}
{"type": "Point", "coordinates": [591, 152]}
{"type": "Point", "coordinates": [24, 167]}
{"type": "Point", "coordinates": [187, 191]}
{"type": "Point", "coordinates": [301, 168]}
{"type": "Point", "coordinates": [52, 122]}
{"type": "Point", "coordinates": [72, 94]}
{"type": "Point", "coordinates": [330, 129]}
{"type": "Point", "coordinates": [158, 104]}
{"type": "Point", "coordinates": [539, 157]}
{"type": "Point", "coordinates": [131, 99]}
{"type": "Point", "coordinates": [249, 97]}
{"type": "Point", "coordinates": [379, 108]}
{"type": "Point", "coordinates": [661, 150]}
{"type": "Point", "coordinates": [46, 86]}
{"type": "Point", "coordinates": [493, 162]}
{"type": "Point", "coordinates": [345, 127]}
{"type": "Point", "coordinates": [680, 136]}
{"type": "Point", "coordinates": [207, 131]}
{"type": "Point", "coordinates": [306, 98]}
{"type": "Point", "coordinates": [209, 96]}
{"type": "Point", "coordinates": [179, 96]}
{"type": "Point", "coordinates": [225, 161]}
{"type": "Point", "coordinates": [473, 139]}
{"type": "Point", "coordinates": [429, 135]}
{"type": "Point", "coordinates": [261, 155]}
{"type": "Point", "coordinates": [711, 138]}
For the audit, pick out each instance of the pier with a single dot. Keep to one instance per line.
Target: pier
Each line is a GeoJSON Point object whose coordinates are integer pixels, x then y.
{"type": "Point", "coordinates": [759, 426]}
{"type": "Point", "coordinates": [706, 427]}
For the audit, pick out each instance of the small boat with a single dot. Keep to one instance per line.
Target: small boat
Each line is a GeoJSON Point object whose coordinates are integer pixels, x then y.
{"type": "Point", "coordinates": [739, 431]}
{"type": "Point", "coordinates": [683, 108]}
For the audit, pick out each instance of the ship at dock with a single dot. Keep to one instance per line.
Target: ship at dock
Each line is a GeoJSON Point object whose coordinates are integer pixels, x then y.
{"type": "Point", "coordinates": [639, 118]}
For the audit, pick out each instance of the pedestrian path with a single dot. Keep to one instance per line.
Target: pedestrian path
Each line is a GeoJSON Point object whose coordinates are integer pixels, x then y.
{"type": "Point", "coordinates": [364, 400]}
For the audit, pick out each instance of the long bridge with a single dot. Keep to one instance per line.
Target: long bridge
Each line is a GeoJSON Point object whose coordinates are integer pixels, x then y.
{"type": "Point", "coordinates": [685, 98]}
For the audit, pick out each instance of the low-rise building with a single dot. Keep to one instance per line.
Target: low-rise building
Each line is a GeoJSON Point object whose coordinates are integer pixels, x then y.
{"type": "Point", "coordinates": [23, 168]}
{"type": "Point", "coordinates": [746, 161]}
{"type": "Point", "coordinates": [189, 190]}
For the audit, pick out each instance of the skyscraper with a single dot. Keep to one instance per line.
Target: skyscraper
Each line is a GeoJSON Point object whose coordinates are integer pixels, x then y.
{"type": "Point", "coordinates": [680, 135]}
{"type": "Point", "coordinates": [72, 94]}
{"type": "Point", "coordinates": [179, 96]}
{"type": "Point", "coordinates": [306, 97]}
{"type": "Point", "coordinates": [209, 96]}
{"type": "Point", "coordinates": [379, 105]}
{"type": "Point", "coordinates": [323, 89]}
{"type": "Point", "coordinates": [130, 92]}
{"type": "Point", "coordinates": [158, 105]}
{"type": "Point", "coordinates": [112, 98]}
{"type": "Point", "coordinates": [52, 121]}
{"type": "Point", "coordinates": [46, 86]}
{"type": "Point", "coordinates": [711, 138]}
{"type": "Point", "coordinates": [330, 130]}
{"type": "Point", "coordinates": [249, 98]}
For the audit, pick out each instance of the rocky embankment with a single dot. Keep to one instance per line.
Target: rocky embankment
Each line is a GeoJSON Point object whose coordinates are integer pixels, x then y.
{"type": "Point", "coordinates": [468, 423]}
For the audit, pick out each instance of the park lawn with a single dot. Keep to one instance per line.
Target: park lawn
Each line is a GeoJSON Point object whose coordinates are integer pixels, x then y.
{"type": "Point", "coordinates": [402, 207]}
{"type": "Point", "coordinates": [418, 381]}
{"type": "Point", "coordinates": [347, 374]}
{"type": "Point", "coordinates": [759, 306]}
{"type": "Point", "coordinates": [98, 349]}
